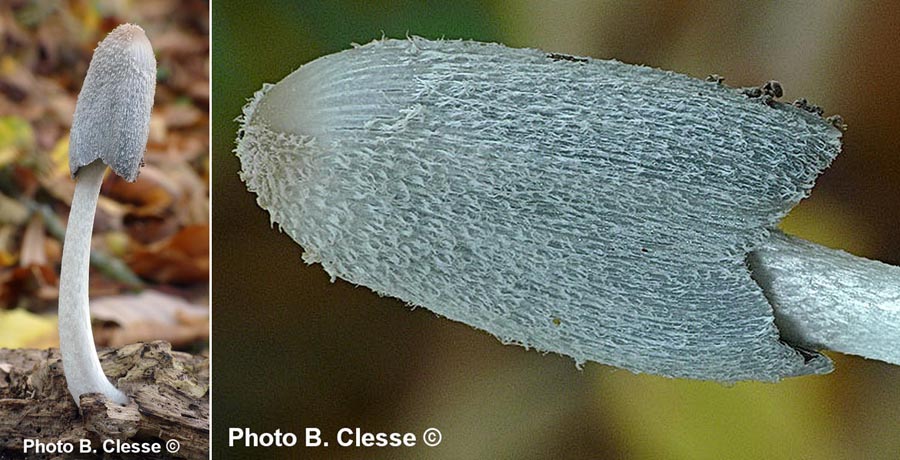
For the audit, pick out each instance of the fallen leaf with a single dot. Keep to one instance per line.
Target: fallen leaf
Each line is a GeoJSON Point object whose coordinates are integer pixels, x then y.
{"type": "Point", "coordinates": [31, 286]}
{"type": "Point", "coordinates": [20, 328]}
{"type": "Point", "coordinates": [181, 115]}
{"type": "Point", "coordinates": [150, 315]}
{"type": "Point", "coordinates": [182, 259]}
{"type": "Point", "coordinates": [33, 248]}
{"type": "Point", "coordinates": [150, 195]}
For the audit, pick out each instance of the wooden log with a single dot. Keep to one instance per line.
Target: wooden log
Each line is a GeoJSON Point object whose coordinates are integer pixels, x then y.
{"type": "Point", "coordinates": [169, 393]}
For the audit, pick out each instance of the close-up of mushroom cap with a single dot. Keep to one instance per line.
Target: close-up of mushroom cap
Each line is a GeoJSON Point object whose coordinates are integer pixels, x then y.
{"type": "Point", "coordinates": [596, 209]}
{"type": "Point", "coordinates": [112, 115]}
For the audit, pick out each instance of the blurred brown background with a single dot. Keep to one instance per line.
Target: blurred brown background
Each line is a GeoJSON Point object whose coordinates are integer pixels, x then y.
{"type": "Point", "coordinates": [151, 235]}
{"type": "Point", "coordinates": [293, 350]}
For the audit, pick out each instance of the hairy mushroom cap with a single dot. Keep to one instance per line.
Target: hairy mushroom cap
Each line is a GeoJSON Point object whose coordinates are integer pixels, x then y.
{"type": "Point", "coordinates": [110, 128]}
{"type": "Point", "coordinates": [112, 115]}
{"type": "Point", "coordinates": [592, 208]}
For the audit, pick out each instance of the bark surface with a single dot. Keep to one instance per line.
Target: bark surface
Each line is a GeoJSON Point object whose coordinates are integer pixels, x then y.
{"type": "Point", "coordinates": [169, 393]}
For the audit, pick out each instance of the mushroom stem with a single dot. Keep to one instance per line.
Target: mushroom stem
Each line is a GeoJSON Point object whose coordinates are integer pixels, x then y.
{"type": "Point", "coordinates": [829, 299]}
{"type": "Point", "coordinates": [76, 340]}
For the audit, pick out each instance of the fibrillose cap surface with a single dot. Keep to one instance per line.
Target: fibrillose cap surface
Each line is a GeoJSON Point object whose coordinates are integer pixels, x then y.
{"type": "Point", "coordinates": [591, 208]}
{"type": "Point", "coordinates": [112, 115]}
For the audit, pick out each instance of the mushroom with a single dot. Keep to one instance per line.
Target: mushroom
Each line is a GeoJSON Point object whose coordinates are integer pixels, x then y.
{"type": "Point", "coordinates": [110, 128]}
{"type": "Point", "coordinates": [608, 212]}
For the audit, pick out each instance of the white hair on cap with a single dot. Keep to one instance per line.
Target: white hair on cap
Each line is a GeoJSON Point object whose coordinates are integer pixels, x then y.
{"type": "Point", "coordinates": [112, 115]}
{"type": "Point", "coordinates": [591, 208]}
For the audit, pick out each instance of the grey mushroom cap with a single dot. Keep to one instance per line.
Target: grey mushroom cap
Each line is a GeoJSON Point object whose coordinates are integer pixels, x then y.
{"type": "Point", "coordinates": [112, 115]}
{"type": "Point", "coordinates": [591, 208]}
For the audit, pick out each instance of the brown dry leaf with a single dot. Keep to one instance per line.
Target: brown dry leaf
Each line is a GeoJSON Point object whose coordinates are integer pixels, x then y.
{"type": "Point", "coordinates": [62, 106]}
{"type": "Point", "coordinates": [181, 115]}
{"type": "Point", "coordinates": [33, 247]}
{"type": "Point", "coordinates": [192, 206]}
{"type": "Point", "coordinates": [178, 42]}
{"type": "Point", "coordinates": [150, 229]}
{"type": "Point", "coordinates": [157, 130]}
{"type": "Point", "coordinates": [53, 250]}
{"type": "Point", "coordinates": [60, 188]}
{"type": "Point", "coordinates": [35, 279]}
{"type": "Point", "coordinates": [186, 147]}
{"type": "Point", "coordinates": [182, 259]}
{"type": "Point", "coordinates": [150, 195]}
{"type": "Point", "coordinates": [16, 83]}
{"type": "Point", "coordinates": [33, 283]}
{"type": "Point", "coordinates": [150, 315]}
{"type": "Point", "coordinates": [32, 286]}
{"type": "Point", "coordinates": [199, 90]}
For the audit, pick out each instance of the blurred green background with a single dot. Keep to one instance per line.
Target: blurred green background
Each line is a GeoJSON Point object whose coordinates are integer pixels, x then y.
{"type": "Point", "coordinates": [293, 350]}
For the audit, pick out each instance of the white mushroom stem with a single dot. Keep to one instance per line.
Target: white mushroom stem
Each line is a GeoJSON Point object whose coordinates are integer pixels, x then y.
{"type": "Point", "coordinates": [829, 299]}
{"type": "Point", "coordinates": [76, 340]}
{"type": "Point", "coordinates": [110, 127]}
